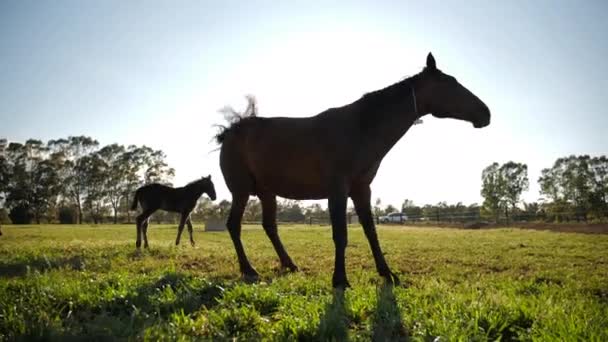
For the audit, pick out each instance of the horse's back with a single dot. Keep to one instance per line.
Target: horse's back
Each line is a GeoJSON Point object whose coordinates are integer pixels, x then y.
{"type": "Point", "coordinates": [285, 156]}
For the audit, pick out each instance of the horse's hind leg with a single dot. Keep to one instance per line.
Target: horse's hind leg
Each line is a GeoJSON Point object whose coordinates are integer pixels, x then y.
{"type": "Point", "coordinates": [361, 198]}
{"type": "Point", "coordinates": [189, 223]}
{"type": "Point", "coordinates": [180, 229]}
{"type": "Point", "coordinates": [139, 221]}
{"type": "Point", "coordinates": [269, 222]}
{"type": "Point", "coordinates": [234, 227]}
{"type": "Point", "coordinates": [144, 231]}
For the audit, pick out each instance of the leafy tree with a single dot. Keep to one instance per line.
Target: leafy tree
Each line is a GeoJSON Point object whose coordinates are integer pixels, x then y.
{"type": "Point", "coordinates": [515, 181]}
{"type": "Point", "coordinates": [575, 186]}
{"type": "Point", "coordinates": [412, 211]}
{"type": "Point", "coordinates": [142, 165]}
{"type": "Point", "coordinates": [116, 175]}
{"type": "Point", "coordinates": [599, 186]}
{"type": "Point", "coordinates": [253, 211]}
{"type": "Point", "coordinates": [157, 169]}
{"type": "Point", "coordinates": [377, 208]}
{"type": "Point", "coordinates": [95, 172]}
{"type": "Point", "coordinates": [206, 209]}
{"type": "Point", "coordinates": [289, 211]}
{"type": "Point", "coordinates": [224, 208]}
{"type": "Point", "coordinates": [45, 187]}
{"type": "Point", "coordinates": [389, 209]}
{"type": "Point", "coordinates": [73, 150]}
{"type": "Point", "coordinates": [492, 185]}
{"type": "Point", "coordinates": [31, 181]}
{"type": "Point", "coordinates": [4, 170]}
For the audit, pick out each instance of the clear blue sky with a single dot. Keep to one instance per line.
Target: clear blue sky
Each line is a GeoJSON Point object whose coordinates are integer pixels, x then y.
{"type": "Point", "coordinates": [155, 73]}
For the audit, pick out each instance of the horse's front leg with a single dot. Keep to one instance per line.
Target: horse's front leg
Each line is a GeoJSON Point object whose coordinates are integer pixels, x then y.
{"type": "Point", "coordinates": [180, 229]}
{"type": "Point", "coordinates": [337, 213]}
{"type": "Point", "coordinates": [189, 223]}
{"type": "Point", "coordinates": [361, 197]}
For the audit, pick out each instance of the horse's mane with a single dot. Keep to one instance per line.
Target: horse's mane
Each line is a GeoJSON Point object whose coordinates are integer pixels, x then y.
{"type": "Point", "coordinates": [236, 119]}
{"type": "Point", "coordinates": [371, 105]}
{"type": "Point", "coordinates": [194, 182]}
{"type": "Point", "coordinates": [388, 95]}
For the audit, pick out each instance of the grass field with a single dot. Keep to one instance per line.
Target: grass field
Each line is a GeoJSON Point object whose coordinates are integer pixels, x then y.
{"type": "Point", "coordinates": [62, 282]}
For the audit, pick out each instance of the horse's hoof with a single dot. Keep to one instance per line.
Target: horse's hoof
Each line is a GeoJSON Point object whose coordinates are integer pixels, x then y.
{"type": "Point", "coordinates": [391, 279]}
{"type": "Point", "coordinates": [395, 279]}
{"type": "Point", "coordinates": [290, 268]}
{"type": "Point", "coordinates": [340, 283]}
{"type": "Point", "coordinates": [251, 277]}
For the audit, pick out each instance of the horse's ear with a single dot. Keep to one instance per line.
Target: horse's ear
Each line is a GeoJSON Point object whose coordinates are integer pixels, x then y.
{"type": "Point", "coordinates": [209, 177]}
{"type": "Point", "coordinates": [430, 62]}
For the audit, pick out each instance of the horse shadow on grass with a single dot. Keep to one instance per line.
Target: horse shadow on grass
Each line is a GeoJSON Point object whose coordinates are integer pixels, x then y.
{"type": "Point", "coordinates": [386, 320]}
{"type": "Point", "coordinates": [40, 264]}
{"type": "Point", "coordinates": [126, 317]}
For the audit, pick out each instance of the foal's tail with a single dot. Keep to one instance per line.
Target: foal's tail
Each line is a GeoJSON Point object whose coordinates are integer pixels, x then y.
{"type": "Point", "coordinates": [134, 205]}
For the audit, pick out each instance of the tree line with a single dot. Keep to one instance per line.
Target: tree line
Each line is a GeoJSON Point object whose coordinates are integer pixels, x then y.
{"type": "Point", "coordinates": [74, 179]}
{"type": "Point", "coordinates": [575, 188]}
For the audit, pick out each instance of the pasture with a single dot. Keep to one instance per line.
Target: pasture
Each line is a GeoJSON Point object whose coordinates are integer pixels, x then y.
{"type": "Point", "coordinates": [61, 282]}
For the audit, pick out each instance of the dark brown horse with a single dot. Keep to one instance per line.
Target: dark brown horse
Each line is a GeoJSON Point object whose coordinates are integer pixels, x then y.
{"type": "Point", "coordinates": [152, 197]}
{"type": "Point", "coordinates": [333, 155]}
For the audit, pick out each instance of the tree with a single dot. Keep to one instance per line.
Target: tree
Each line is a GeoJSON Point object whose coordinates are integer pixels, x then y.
{"type": "Point", "coordinates": [4, 170]}
{"type": "Point", "coordinates": [224, 208]}
{"type": "Point", "coordinates": [95, 173]}
{"type": "Point", "coordinates": [377, 209]}
{"type": "Point", "coordinates": [142, 165]}
{"type": "Point", "coordinates": [289, 211]}
{"type": "Point", "coordinates": [575, 186]}
{"type": "Point", "coordinates": [157, 169]}
{"type": "Point", "coordinates": [389, 209]}
{"type": "Point", "coordinates": [31, 184]}
{"type": "Point", "coordinates": [206, 209]}
{"type": "Point", "coordinates": [73, 149]}
{"type": "Point", "coordinates": [502, 186]}
{"type": "Point", "coordinates": [412, 211]}
{"type": "Point", "coordinates": [253, 211]}
{"type": "Point", "coordinates": [45, 188]}
{"type": "Point", "coordinates": [115, 181]}
{"type": "Point", "coordinates": [599, 186]}
{"type": "Point", "coordinates": [492, 185]}
{"type": "Point", "coordinates": [514, 182]}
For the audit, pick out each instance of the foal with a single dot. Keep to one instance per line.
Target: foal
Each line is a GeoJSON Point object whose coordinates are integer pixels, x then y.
{"type": "Point", "coordinates": [152, 197]}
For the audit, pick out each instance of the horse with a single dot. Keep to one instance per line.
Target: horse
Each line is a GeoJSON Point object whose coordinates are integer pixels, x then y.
{"type": "Point", "coordinates": [332, 155]}
{"type": "Point", "coordinates": [152, 197]}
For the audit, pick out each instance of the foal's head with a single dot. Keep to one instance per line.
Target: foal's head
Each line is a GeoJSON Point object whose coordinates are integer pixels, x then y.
{"type": "Point", "coordinates": [450, 99]}
{"type": "Point", "coordinates": [205, 185]}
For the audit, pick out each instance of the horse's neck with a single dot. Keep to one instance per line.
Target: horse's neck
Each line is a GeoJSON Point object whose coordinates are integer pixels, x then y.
{"type": "Point", "coordinates": [196, 192]}
{"type": "Point", "coordinates": [392, 124]}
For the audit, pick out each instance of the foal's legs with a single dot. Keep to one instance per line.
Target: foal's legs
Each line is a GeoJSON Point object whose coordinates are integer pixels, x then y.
{"type": "Point", "coordinates": [361, 197]}
{"type": "Point", "coordinates": [337, 213]}
{"type": "Point", "coordinates": [239, 201]}
{"type": "Point", "coordinates": [141, 218]}
{"type": "Point", "coordinates": [269, 222]}
{"type": "Point", "coordinates": [189, 223]}
{"type": "Point", "coordinates": [180, 229]}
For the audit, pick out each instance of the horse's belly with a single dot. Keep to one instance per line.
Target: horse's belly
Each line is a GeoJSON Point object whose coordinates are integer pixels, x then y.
{"type": "Point", "coordinates": [293, 182]}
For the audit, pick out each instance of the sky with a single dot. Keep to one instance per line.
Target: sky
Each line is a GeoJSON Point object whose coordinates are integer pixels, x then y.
{"type": "Point", "coordinates": [156, 73]}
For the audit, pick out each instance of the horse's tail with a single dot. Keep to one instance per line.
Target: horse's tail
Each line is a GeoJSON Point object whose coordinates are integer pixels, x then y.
{"type": "Point", "coordinates": [134, 205]}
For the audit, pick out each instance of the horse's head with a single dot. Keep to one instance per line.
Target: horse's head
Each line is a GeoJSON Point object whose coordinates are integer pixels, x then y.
{"type": "Point", "coordinates": [446, 98]}
{"type": "Point", "coordinates": [208, 187]}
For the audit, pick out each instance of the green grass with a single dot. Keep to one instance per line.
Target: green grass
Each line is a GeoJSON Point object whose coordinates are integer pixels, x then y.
{"type": "Point", "coordinates": [63, 282]}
